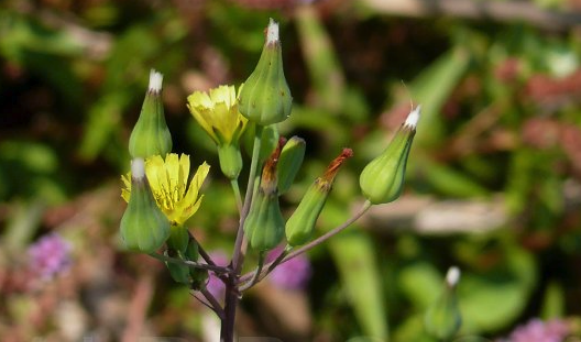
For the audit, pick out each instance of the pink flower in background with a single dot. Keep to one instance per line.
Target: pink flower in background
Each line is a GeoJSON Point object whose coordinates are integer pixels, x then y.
{"type": "Point", "coordinates": [49, 256]}
{"type": "Point", "coordinates": [537, 330]}
{"type": "Point", "coordinates": [215, 285]}
{"type": "Point", "coordinates": [293, 274]}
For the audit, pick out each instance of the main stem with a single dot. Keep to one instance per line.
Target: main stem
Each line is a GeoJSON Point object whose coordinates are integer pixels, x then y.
{"type": "Point", "coordinates": [232, 292]}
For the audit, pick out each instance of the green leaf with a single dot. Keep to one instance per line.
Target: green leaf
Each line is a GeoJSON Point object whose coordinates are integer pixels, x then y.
{"type": "Point", "coordinates": [354, 255]}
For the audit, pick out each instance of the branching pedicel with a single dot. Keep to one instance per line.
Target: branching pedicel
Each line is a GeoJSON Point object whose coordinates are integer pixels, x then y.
{"type": "Point", "coordinates": [160, 198]}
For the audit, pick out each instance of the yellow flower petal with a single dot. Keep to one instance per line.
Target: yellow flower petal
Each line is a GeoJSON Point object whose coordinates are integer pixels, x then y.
{"type": "Point", "coordinates": [217, 113]}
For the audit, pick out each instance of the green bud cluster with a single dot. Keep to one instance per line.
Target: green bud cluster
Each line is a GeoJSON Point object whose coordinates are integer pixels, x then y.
{"type": "Point", "coordinates": [265, 97]}
{"type": "Point", "coordinates": [382, 179]}
{"type": "Point", "coordinates": [144, 227]}
{"type": "Point", "coordinates": [151, 136]}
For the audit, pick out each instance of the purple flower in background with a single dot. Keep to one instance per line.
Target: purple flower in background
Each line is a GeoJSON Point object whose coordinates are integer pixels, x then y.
{"type": "Point", "coordinates": [538, 331]}
{"type": "Point", "coordinates": [215, 285]}
{"type": "Point", "coordinates": [293, 274]}
{"type": "Point", "coordinates": [49, 256]}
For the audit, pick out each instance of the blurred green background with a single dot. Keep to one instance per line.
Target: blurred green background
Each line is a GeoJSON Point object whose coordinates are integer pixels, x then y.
{"type": "Point", "coordinates": [493, 184]}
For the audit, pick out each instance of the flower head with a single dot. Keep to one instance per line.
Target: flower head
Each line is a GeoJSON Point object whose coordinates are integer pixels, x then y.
{"type": "Point", "coordinates": [49, 256]}
{"type": "Point", "coordinates": [168, 180]}
{"type": "Point", "coordinates": [217, 112]}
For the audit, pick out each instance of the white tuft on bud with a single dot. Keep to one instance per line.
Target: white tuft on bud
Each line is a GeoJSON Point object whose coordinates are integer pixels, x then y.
{"type": "Point", "coordinates": [155, 81]}
{"type": "Point", "coordinates": [413, 118]}
{"type": "Point", "coordinates": [272, 32]}
{"type": "Point", "coordinates": [138, 168]}
{"type": "Point", "coordinates": [453, 276]}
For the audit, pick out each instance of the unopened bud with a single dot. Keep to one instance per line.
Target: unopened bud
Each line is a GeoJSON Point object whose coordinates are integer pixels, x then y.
{"type": "Point", "coordinates": [151, 136]}
{"type": "Point", "coordinates": [301, 224]}
{"type": "Point", "coordinates": [382, 179]}
{"type": "Point", "coordinates": [144, 227]}
{"type": "Point", "coordinates": [230, 160]}
{"type": "Point", "coordinates": [290, 161]}
{"type": "Point", "coordinates": [443, 319]}
{"type": "Point", "coordinates": [265, 98]}
{"type": "Point", "coordinates": [264, 226]}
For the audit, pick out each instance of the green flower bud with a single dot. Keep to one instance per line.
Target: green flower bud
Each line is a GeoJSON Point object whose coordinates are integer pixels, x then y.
{"type": "Point", "coordinates": [150, 136]}
{"type": "Point", "coordinates": [144, 227]}
{"type": "Point", "coordinates": [443, 319]}
{"type": "Point", "coordinates": [180, 273]}
{"type": "Point", "coordinates": [291, 159]}
{"type": "Point", "coordinates": [265, 98]}
{"type": "Point", "coordinates": [264, 226]}
{"type": "Point", "coordinates": [230, 160]}
{"type": "Point", "coordinates": [301, 224]}
{"type": "Point", "coordinates": [382, 179]}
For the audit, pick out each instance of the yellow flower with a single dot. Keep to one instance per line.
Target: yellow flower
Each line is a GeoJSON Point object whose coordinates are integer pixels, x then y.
{"type": "Point", "coordinates": [169, 183]}
{"type": "Point", "coordinates": [217, 113]}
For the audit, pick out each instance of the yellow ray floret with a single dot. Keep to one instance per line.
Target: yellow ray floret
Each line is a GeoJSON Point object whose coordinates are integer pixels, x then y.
{"type": "Point", "coordinates": [168, 180]}
{"type": "Point", "coordinates": [217, 112]}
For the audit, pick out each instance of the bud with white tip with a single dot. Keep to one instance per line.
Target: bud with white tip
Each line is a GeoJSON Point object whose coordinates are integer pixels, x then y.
{"type": "Point", "coordinates": [151, 136]}
{"type": "Point", "coordinates": [265, 97]}
{"type": "Point", "coordinates": [382, 179]}
{"type": "Point", "coordinates": [443, 319]}
{"type": "Point", "coordinates": [144, 227]}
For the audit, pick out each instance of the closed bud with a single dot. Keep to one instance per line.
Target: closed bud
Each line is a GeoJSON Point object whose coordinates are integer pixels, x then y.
{"type": "Point", "coordinates": [290, 161]}
{"type": "Point", "coordinates": [151, 136]}
{"type": "Point", "coordinates": [382, 179]}
{"type": "Point", "coordinates": [301, 224]}
{"type": "Point", "coordinates": [230, 160]}
{"type": "Point", "coordinates": [144, 227]}
{"type": "Point", "coordinates": [443, 319]}
{"type": "Point", "coordinates": [264, 226]}
{"type": "Point", "coordinates": [265, 98]}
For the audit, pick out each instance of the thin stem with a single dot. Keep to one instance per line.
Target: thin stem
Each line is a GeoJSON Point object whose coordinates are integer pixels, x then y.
{"type": "Point", "coordinates": [232, 293]}
{"type": "Point", "coordinates": [214, 304]}
{"type": "Point", "coordinates": [192, 264]}
{"type": "Point", "coordinates": [207, 258]}
{"type": "Point", "coordinates": [255, 278]}
{"type": "Point", "coordinates": [238, 257]}
{"type": "Point", "coordinates": [271, 266]}
{"type": "Point", "coordinates": [236, 189]}
{"type": "Point", "coordinates": [317, 241]}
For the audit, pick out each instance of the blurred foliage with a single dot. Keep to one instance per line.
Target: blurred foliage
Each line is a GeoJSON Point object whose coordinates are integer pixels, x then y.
{"type": "Point", "coordinates": [500, 124]}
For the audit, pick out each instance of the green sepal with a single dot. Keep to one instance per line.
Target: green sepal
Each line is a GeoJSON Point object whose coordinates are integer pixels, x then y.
{"type": "Point", "coordinates": [178, 239]}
